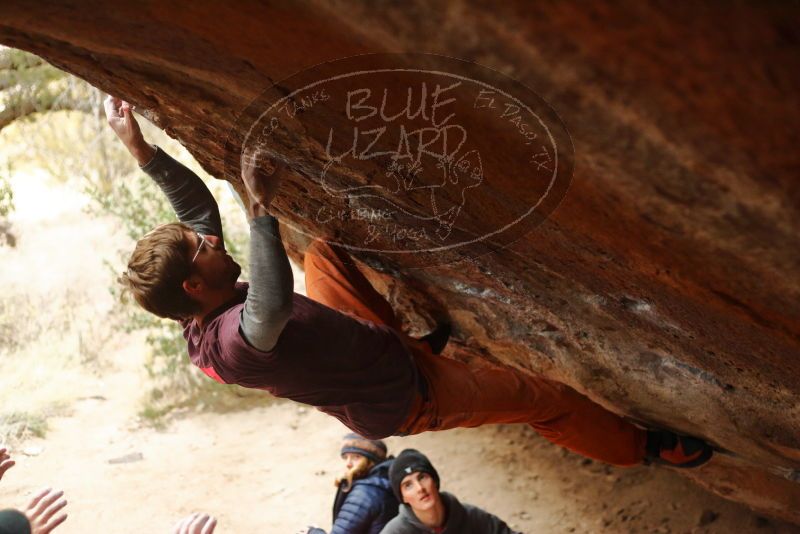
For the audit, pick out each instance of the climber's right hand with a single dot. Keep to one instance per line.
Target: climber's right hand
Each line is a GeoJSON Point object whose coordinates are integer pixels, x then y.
{"type": "Point", "coordinates": [120, 117]}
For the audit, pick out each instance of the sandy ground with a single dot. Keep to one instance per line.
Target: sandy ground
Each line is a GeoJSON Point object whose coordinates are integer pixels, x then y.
{"type": "Point", "coordinates": [271, 469]}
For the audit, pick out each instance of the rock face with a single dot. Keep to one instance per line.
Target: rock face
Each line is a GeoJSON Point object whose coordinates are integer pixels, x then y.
{"type": "Point", "coordinates": [666, 284]}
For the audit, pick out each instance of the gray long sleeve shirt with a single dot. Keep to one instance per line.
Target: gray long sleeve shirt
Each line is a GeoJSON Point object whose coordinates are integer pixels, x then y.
{"type": "Point", "coordinates": [269, 298]}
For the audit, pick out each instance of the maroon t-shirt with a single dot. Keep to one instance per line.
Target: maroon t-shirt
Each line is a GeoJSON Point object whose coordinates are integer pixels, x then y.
{"type": "Point", "coordinates": [357, 371]}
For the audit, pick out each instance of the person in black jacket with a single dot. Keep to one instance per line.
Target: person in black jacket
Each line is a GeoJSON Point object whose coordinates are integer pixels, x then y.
{"type": "Point", "coordinates": [364, 500]}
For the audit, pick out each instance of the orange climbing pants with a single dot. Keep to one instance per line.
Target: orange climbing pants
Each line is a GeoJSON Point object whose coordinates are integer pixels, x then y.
{"type": "Point", "coordinates": [459, 396]}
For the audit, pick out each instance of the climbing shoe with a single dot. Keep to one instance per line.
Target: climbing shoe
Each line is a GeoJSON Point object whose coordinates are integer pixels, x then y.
{"type": "Point", "coordinates": [437, 339]}
{"type": "Point", "coordinates": [667, 448]}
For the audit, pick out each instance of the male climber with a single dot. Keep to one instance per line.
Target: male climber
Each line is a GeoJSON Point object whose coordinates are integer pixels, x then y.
{"type": "Point", "coordinates": [340, 349]}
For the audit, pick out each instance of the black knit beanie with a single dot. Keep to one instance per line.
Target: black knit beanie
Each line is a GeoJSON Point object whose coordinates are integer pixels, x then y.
{"type": "Point", "coordinates": [410, 461]}
{"type": "Point", "coordinates": [373, 450]}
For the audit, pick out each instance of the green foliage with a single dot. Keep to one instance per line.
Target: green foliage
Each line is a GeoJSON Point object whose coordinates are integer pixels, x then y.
{"type": "Point", "coordinates": [28, 85]}
{"type": "Point", "coordinates": [13, 59]}
{"type": "Point", "coordinates": [6, 195]}
{"type": "Point", "coordinates": [18, 323]}
{"type": "Point", "coordinates": [16, 427]}
{"type": "Point", "coordinates": [135, 202]}
{"type": "Point", "coordinates": [6, 208]}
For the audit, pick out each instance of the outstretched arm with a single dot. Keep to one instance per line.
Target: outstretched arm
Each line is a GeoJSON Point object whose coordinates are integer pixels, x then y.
{"type": "Point", "coordinates": [189, 196]}
{"type": "Point", "coordinates": [269, 298]}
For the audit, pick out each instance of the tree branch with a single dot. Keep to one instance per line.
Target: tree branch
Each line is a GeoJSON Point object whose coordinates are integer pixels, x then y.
{"type": "Point", "coordinates": [13, 59]}
{"type": "Point", "coordinates": [25, 104]}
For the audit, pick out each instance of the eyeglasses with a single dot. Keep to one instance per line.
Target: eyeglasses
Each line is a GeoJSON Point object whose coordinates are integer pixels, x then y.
{"type": "Point", "coordinates": [200, 246]}
{"type": "Point", "coordinates": [203, 241]}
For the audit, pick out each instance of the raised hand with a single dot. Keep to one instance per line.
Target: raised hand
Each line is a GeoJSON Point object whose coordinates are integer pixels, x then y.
{"type": "Point", "coordinates": [196, 524]}
{"type": "Point", "coordinates": [42, 509]}
{"type": "Point", "coordinates": [262, 177]}
{"type": "Point", "coordinates": [6, 462]}
{"type": "Point", "coordinates": [120, 117]}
